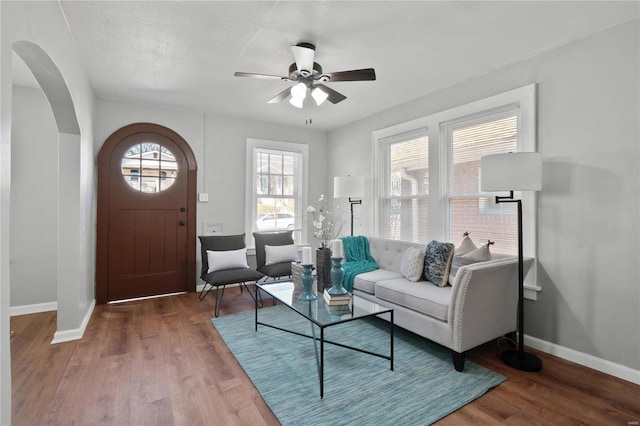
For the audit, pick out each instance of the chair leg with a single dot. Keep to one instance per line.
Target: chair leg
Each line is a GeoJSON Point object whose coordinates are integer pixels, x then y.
{"type": "Point", "coordinates": [201, 296]}
{"type": "Point", "coordinates": [218, 302]}
{"type": "Point", "coordinates": [260, 304]}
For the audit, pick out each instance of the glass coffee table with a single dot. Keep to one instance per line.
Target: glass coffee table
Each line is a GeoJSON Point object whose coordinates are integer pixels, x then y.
{"type": "Point", "coordinates": [322, 316]}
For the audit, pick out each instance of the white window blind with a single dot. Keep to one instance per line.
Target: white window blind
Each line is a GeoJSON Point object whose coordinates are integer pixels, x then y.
{"type": "Point", "coordinates": [405, 186]}
{"type": "Point", "coordinates": [276, 187]}
{"type": "Point", "coordinates": [469, 210]}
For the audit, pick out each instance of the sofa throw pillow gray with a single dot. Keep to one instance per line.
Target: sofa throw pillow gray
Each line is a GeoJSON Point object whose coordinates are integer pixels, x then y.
{"type": "Point", "coordinates": [437, 262]}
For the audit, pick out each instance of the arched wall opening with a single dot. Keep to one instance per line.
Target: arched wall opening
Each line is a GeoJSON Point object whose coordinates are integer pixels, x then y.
{"type": "Point", "coordinates": [67, 204]}
{"type": "Point", "coordinates": [34, 197]}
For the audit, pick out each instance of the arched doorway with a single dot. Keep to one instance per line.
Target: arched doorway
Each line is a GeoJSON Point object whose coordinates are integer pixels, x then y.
{"type": "Point", "coordinates": [68, 277]}
{"type": "Point", "coordinates": [146, 214]}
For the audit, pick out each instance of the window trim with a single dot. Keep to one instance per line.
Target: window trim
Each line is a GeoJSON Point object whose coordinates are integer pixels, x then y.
{"type": "Point", "coordinates": [250, 206]}
{"type": "Point", "coordinates": [439, 154]}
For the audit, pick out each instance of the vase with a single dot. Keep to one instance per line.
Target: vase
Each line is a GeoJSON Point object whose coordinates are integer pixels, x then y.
{"type": "Point", "coordinates": [337, 273]}
{"type": "Point", "coordinates": [323, 268]}
{"type": "Point", "coordinates": [307, 284]}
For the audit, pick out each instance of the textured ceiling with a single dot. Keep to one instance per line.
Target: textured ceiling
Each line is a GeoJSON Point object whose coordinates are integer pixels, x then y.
{"type": "Point", "coordinates": [184, 54]}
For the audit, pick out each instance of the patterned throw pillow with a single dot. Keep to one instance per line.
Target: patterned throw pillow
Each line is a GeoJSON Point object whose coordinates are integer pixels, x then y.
{"type": "Point", "coordinates": [437, 261]}
{"type": "Point", "coordinates": [412, 264]}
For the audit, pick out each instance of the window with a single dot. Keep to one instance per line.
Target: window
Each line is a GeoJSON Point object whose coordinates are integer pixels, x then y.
{"type": "Point", "coordinates": [405, 186]}
{"type": "Point", "coordinates": [276, 184]}
{"type": "Point", "coordinates": [427, 175]}
{"type": "Point", "coordinates": [149, 167]}
{"type": "Point", "coordinates": [469, 211]}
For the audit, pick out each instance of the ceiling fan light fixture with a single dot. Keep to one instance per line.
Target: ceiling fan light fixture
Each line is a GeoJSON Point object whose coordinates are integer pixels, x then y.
{"type": "Point", "coordinates": [299, 91]}
{"type": "Point", "coordinates": [296, 102]}
{"type": "Point", "coordinates": [319, 95]}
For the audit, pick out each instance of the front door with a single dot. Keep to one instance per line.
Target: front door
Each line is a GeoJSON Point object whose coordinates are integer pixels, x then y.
{"type": "Point", "coordinates": [146, 175]}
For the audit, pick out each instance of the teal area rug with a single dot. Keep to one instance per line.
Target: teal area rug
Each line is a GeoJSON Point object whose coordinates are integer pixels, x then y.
{"type": "Point", "coordinates": [359, 389]}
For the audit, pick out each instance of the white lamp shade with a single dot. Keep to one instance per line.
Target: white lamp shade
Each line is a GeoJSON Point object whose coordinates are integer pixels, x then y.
{"type": "Point", "coordinates": [296, 102]}
{"type": "Point", "coordinates": [319, 96]}
{"type": "Point", "coordinates": [348, 187]}
{"type": "Point", "coordinates": [515, 171]}
{"type": "Point", "coordinates": [299, 91]}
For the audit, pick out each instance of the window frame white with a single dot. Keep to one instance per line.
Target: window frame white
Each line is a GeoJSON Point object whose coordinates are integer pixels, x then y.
{"type": "Point", "coordinates": [524, 98]}
{"type": "Point", "coordinates": [300, 191]}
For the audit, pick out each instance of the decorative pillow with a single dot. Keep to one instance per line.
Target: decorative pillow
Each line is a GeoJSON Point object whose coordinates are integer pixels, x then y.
{"type": "Point", "coordinates": [437, 262]}
{"type": "Point", "coordinates": [229, 259]}
{"type": "Point", "coordinates": [278, 254]}
{"type": "Point", "coordinates": [457, 262]}
{"type": "Point", "coordinates": [481, 254]}
{"type": "Point", "coordinates": [466, 245]}
{"type": "Point", "coordinates": [412, 264]}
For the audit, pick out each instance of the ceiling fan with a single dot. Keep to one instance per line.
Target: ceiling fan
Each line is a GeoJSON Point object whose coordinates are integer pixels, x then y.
{"type": "Point", "coordinates": [309, 78]}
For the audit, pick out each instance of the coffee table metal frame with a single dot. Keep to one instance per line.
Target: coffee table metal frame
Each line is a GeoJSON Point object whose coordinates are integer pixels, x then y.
{"type": "Point", "coordinates": [319, 314]}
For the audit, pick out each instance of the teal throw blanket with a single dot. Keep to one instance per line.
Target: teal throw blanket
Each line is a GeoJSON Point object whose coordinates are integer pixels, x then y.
{"type": "Point", "coordinates": [357, 259]}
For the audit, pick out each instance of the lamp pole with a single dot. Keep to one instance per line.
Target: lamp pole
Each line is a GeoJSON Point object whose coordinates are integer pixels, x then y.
{"type": "Point", "coordinates": [519, 359]}
{"type": "Point", "coordinates": [352, 202]}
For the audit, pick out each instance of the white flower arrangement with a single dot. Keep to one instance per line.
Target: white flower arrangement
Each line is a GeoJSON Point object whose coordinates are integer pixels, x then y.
{"type": "Point", "coordinates": [326, 226]}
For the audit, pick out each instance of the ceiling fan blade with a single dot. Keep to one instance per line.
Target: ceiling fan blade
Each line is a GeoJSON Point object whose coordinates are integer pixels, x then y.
{"type": "Point", "coordinates": [263, 76]}
{"type": "Point", "coordinates": [334, 97]}
{"type": "Point", "coordinates": [280, 96]}
{"type": "Point", "coordinates": [304, 54]}
{"type": "Point", "coordinates": [353, 75]}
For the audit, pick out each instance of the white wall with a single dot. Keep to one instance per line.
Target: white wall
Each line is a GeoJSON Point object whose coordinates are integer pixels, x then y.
{"type": "Point", "coordinates": [43, 24]}
{"type": "Point", "coordinates": [220, 158]}
{"type": "Point", "coordinates": [588, 210]}
{"type": "Point", "coordinates": [34, 201]}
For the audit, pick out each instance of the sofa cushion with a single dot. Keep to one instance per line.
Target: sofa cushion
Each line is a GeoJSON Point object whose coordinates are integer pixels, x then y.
{"type": "Point", "coordinates": [437, 262]}
{"type": "Point", "coordinates": [426, 299]}
{"type": "Point", "coordinates": [367, 281]}
{"type": "Point", "coordinates": [412, 264]}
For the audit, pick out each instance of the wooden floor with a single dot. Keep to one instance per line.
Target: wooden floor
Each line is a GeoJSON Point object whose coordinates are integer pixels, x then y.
{"type": "Point", "coordinates": [161, 362]}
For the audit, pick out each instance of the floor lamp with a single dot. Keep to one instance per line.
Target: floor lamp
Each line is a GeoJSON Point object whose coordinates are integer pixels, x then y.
{"type": "Point", "coordinates": [521, 171]}
{"type": "Point", "coordinates": [351, 187]}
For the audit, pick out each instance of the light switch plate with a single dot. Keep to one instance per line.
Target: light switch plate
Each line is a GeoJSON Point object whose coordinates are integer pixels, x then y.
{"type": "Point", "coordinates": [203, 197]}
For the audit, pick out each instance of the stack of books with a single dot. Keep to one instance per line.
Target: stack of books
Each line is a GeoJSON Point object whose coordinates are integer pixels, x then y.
{"type": "Point", "coordinates": [336, 299]}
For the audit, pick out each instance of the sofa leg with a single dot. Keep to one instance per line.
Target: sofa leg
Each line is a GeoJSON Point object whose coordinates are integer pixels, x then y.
{"type": "Point", "coordinates": [458, 360]}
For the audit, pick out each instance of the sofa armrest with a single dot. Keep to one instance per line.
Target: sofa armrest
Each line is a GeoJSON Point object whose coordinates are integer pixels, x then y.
{"type": "Point", "coordinates": [484, 302]}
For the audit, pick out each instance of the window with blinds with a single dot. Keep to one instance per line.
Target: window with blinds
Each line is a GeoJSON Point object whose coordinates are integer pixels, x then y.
{"type": "Point", "coordinates": [275, 190]}
{"type": "Point", "coordinates": [469, 210]}
{"type": "Point", "coordinates": [405, 186]}
{"type": "Point", "coordinates": [427, 175]}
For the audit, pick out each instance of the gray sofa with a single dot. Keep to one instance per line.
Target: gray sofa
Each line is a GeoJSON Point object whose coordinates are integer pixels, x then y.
{"type": "Point", "coordinates": [479, 306]}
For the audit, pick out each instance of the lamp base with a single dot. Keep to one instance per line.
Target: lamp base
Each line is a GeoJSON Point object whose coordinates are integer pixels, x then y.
{"type": "Point", "coordinates": [523, 361]}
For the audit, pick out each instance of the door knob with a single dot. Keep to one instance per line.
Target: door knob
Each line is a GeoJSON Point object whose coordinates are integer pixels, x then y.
{"type": "Point", "coordinates": [182, 223]}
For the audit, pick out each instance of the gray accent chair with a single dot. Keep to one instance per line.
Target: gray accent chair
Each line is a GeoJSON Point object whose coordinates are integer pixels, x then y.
{"type": "Point", "coordinates": [222, 278]}
{"type": "Point", "coordinates": [262, 239]}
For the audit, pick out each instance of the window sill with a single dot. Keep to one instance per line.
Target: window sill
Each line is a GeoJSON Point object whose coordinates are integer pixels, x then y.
{"type": "Point", "coordinates": [531, 291]}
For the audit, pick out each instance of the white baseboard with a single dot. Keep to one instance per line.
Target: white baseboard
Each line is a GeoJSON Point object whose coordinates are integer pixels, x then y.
{"type": "Point", "coordinates": [33, 309]}
{"type": "Point", "coordinates": [76, 333]}
{"type": "Point", "coordinates": [617, 370]}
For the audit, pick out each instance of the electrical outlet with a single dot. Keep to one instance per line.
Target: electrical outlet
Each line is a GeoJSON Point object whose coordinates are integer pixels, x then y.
{"type": "Point", "coordinates": [212, 228]}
